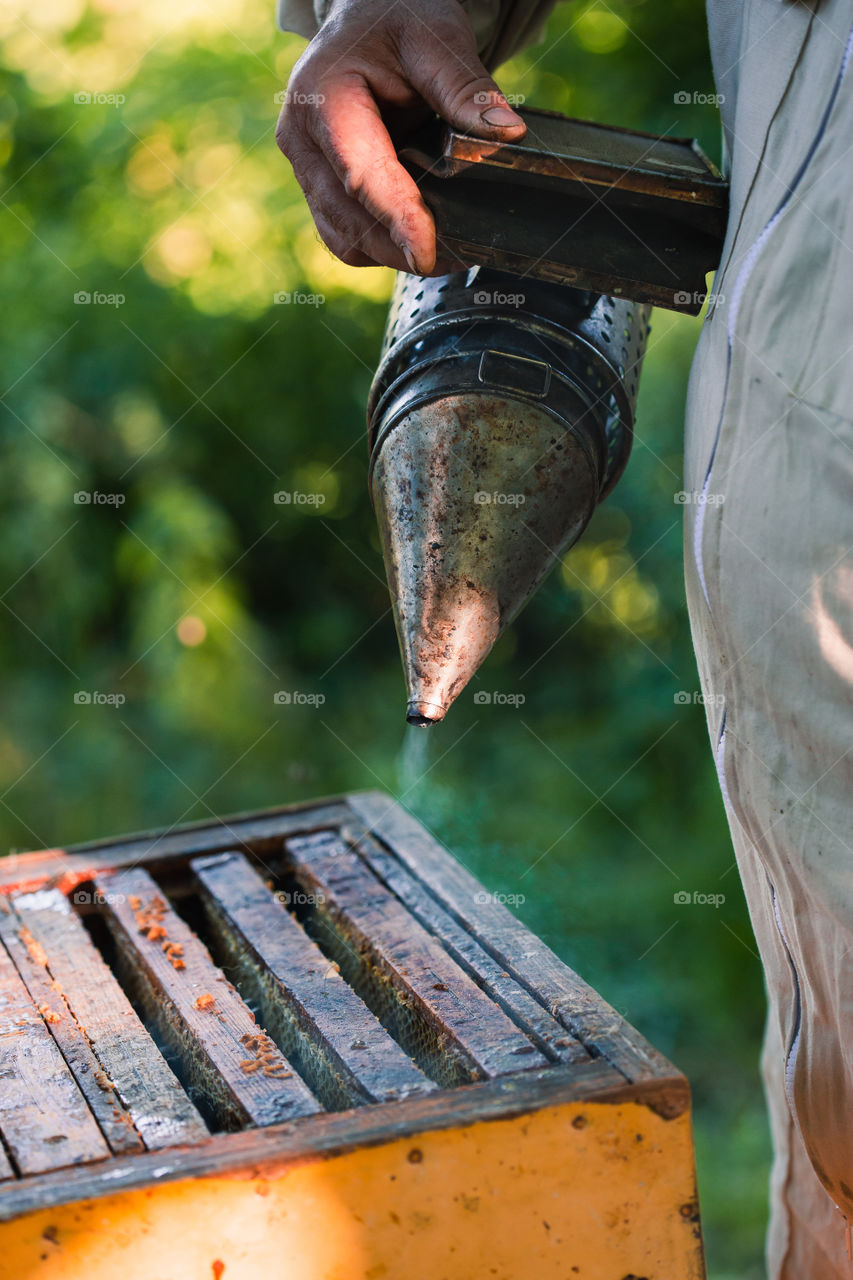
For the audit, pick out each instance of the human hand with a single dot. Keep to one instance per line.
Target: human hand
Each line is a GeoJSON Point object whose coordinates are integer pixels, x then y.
{"type": "Point", "coordinates": [373, 71]}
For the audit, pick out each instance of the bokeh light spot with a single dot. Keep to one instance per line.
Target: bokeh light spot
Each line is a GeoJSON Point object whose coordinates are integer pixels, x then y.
{"type": "Point", "coordinates": [191, 631]}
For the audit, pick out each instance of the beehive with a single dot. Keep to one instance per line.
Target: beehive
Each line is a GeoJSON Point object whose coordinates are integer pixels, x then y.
{"type": "Point", "coordinates": [306, 1044]}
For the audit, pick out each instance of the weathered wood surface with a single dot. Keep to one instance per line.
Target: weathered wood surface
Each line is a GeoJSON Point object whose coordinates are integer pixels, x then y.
{"type": "Point", "coordinates": [267, 1152]}
{"type": "Point", "coordinates": [549, 1034]}
{"type": "Point", "coordinates": [30, 959]}
{"type": "Point", "coordinates": [44, 1119]}
{"type": "Point", "coordinates": [339, 1047]}
{"type": "Point", "coordinates": [528, 960]}
{"type": "Point", "coordinates": [157, 849]}
{"type": "Point", "coordinates": [431, 1005]}
{"type": "Point", "coordinates": [227, 1057]}
{"type": "Point", "coordinates": [571, 1000]}
{"type": "Point", "coordinates": [131, 1064]}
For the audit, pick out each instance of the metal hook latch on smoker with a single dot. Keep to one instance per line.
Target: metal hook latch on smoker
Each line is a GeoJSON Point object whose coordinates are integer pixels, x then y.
{"type": "Point", "coordinates": [515, 373]}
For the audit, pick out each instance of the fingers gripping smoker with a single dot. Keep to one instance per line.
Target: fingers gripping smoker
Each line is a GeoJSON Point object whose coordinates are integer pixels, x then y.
{"type": "Point", "coordinates": [502, 410]}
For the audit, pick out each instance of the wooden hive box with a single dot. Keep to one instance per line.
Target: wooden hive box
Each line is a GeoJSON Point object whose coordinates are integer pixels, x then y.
{"type": "Point", "coordinates": [305, 1044]}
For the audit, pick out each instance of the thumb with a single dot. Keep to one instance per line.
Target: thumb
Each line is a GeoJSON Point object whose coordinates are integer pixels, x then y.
{"type": "Point", "coordinates": [452, 80]}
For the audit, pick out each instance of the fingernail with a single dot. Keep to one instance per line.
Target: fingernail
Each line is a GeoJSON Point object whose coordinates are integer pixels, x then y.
{"type": "Point", "coordinates": [501, 117]}
{"type": "Point", "coordinates": [410, 258]}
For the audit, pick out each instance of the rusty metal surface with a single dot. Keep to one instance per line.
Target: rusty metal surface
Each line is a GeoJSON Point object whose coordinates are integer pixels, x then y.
{"type": "Point", "coordinates": [572, 150]}
{"type": "Point", "coordinates": [586, 205]}
{"type": "Point", "coordinates": [501, 413]}
{"type": "Point", "coordinates": [473, 505]}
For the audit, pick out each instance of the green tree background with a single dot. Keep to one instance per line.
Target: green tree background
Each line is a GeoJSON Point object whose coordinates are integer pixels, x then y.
{"type": "Point", "coordinates": [195, 398]}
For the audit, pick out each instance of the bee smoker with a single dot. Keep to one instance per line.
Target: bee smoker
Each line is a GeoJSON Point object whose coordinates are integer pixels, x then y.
{"type": "Point", "coordinates": [502, 410]}
{"type": "Point", "coordinates": [501, 413]}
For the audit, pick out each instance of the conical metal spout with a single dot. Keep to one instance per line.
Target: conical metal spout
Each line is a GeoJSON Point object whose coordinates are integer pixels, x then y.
{"type": "Point", "coordinates": [491, 443]}
{"type": "Point", "coordinates": [475, 496]}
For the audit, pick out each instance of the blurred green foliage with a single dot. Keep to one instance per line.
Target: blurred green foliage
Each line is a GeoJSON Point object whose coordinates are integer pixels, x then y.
{"type": "Point", "coordinates": [195, 398]}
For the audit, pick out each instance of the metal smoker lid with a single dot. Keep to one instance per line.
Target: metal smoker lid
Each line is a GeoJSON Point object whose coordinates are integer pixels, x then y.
{"type": "Point", "coordinates": [577, 151]}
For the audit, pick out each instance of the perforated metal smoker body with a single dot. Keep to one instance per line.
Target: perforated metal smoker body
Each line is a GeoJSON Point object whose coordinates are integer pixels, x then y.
{"type": "Point", "coordinates": [587, 344]}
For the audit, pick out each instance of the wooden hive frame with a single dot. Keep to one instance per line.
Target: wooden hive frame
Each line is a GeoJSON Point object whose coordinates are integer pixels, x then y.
{"type": "Point", "coordinates": [427, 1091]}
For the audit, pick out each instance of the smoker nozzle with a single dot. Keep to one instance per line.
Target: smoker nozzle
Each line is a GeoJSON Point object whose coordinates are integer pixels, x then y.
{"type": "Point", "coordinates": [424, 713]}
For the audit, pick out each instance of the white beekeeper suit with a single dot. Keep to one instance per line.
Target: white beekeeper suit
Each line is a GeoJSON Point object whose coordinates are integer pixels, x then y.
{"type": "Point", "coordinates": [769, 563]}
